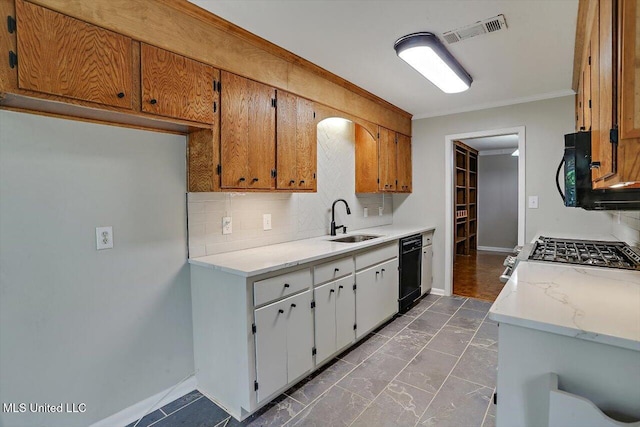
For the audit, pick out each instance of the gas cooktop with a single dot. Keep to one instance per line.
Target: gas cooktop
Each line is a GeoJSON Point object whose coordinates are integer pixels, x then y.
{"type": "Point", "coordinates": [586, 252]}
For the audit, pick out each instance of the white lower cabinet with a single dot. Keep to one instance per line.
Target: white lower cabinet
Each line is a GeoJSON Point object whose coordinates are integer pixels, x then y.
{"type": "Point", "coordinates": [334, 317]}
{"type": "Point", "coordinates": [284, 342]}
{"type": "Point", "coordinates": [376, 295]}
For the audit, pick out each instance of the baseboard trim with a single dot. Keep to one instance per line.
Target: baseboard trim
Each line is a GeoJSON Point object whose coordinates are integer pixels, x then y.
{"type": "Point", "coordinates": [436, 291]}
{"type": "Point", "coordinates": [137, 410]}
{"type": "Point", "coordinates": [494, 249]}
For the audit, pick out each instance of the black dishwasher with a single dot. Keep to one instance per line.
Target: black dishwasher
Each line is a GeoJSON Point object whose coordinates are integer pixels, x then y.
{"type": "Point", "coordinates": [410, 269]}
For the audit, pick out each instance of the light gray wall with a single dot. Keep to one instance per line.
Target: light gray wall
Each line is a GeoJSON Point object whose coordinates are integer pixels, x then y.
{"type": "Point", "coordinates": [106, 328]}
{"type": "Point", "coordinates": [626, 226]}
{"type": "Point", "coordinates": [546, 122]}
{"type": "Point", "coordinates": [498, 201]}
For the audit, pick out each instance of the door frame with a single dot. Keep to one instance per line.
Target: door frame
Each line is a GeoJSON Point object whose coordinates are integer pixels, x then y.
{"type": "Point", "coordinates": [449, 208]}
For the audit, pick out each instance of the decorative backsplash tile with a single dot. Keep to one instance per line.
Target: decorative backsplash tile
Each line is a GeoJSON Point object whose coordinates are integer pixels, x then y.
{"type": "Point", "coordinates": [293, 216]}
{"type": "Point", "coordinates": [626, 226]}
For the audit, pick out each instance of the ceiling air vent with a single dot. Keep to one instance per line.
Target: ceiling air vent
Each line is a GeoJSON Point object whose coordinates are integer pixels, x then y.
{"type": "Point", "coordinates": [490, 25]}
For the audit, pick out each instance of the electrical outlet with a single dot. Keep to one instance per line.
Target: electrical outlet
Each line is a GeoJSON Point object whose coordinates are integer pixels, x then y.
{"type": "Point", "coordinates": [104, 238]}
{"type": "Point", "coordinates": [266, 221]}
{"type": "Point", "coordinates": [366, 212]}
{"type": "Point", "coordinates": [226, 225]}
{"type": "Point", "coordinates": [380, 211]}
{"type": "Point", "coordinates": [533, 202]}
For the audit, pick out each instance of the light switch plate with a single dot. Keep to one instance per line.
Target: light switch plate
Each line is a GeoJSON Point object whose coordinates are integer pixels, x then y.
{"type": "Point", "coordinates": [380, 211]}
{"type": "Point", "coordinates": [104, 238]}
{"type": "Point", "coordinates": [266, 221]}
{"type": "Point", "coordinates": [226, 225]}
{"type": "Point", "coordinates": [533, 202]}
{"type": "Point", "coordinates": [366, 212]}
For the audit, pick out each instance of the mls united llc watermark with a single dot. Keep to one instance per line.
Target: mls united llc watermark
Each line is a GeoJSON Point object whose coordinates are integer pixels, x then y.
{"type": "Point", "coordinates": [48, 408]}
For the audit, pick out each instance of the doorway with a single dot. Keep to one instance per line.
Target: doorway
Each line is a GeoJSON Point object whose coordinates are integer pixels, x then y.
{"type": "Point", "coordinates": [484, 210]}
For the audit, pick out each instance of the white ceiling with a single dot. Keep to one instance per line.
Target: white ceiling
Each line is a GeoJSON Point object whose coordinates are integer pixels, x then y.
{"type": "Point", "coordinates": [531, 60]}
{"type": "Point", "coordinates": [490, 143]}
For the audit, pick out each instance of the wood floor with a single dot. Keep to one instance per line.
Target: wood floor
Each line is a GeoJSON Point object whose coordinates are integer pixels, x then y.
{"type": "Point", "coordinates": [477, 275]}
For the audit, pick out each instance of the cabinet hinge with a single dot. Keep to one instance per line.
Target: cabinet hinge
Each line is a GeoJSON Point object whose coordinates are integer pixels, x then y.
{"type": "Point", "coordinates": [217, 86]}
{"type": "Point", "coordinates": [589, 59]}
{"type": "Point", "coordinates": [378, 135]}
{"type": "Point", "coordinates": [11, 24]}
{"type": "Point", "coordinates": [13, 59]}
{"type": "Point", "coordinates": [313, 304]}
{"type": "Point", "coordinates": [219, 169]}
{"type": "Point", "coordinates": [314, 175]}
{"type": "Point", "coordinates": [495, 398]}
{"type": "Point", "coordinates": [355, 286]}
{"type": "Point", "coordinates": [355, 326]}
{"type": "Point", "coordinates": [274, 173]}
{"type": "Point", "coordinates": [255, 385]}
{"type": "Point", "coordinates": [253, 328]}
{"type": "Point", "coordinates": [314, 114]}
{"type": "Point", "coordinates": [313, 351]}
{"type": "Point", "coordinates": [378, 180]}
{"type": "Point", "coordinates": [215, 107]}
{"type": "Point", "coordinates": [396, 182]}
{"type": "Point", "coordinates": [274, 102]}
{"type": "Point", "coordinates": [613, 135]}
{"type": "Point", "coordinates": [589, 103]}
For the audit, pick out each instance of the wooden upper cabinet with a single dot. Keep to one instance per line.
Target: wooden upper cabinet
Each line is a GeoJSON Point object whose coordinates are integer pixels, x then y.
{"type": "Point", "coordinates": [175, 86]}
{"type": "Point", "coordinates": [247, 134]}
{"type": "Point", "coordinates": [603, 152]}
{"type": "Point", "coordinates": [296, 143]}
{"type": "Point", "coordinates": [63, 56]}
{"type": "Point", "coordinates": [630, 70]}
{"type": "Point", "coordinates": [387, 160]}
{"type": "Point", "coordinates": [404, 164]}
{"type": "Point", "coordinates": [366, 161]}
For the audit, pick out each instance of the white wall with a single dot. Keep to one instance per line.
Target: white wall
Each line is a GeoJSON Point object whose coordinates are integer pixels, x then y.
{"type": "Point", "coordinates": [497, 201]}
{"type": "Point", "coordinates": [294, 216]}
{"type": "Point", "coordinates": [545, 124]}
{"type": "Point", "coordinates": [626, 226]}
{"type": "Point", "coordinates": [105, 328]}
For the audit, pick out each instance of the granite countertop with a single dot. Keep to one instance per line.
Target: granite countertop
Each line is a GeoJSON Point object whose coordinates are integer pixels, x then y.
{"type": "Point", "coordinates": [590, 303]}
{"type": "Point", "coordinates": [265, 259]}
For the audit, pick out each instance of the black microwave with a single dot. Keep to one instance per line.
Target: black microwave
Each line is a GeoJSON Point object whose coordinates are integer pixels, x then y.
{"type": "Point", "coordinates": [578, 192]}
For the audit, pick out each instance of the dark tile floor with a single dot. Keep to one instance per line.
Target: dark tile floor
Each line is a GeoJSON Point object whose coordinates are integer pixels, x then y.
{"type": "Point", "coordinates": [433, 366]}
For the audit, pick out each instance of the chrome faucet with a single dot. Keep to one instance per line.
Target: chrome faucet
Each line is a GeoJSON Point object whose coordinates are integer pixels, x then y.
{"type": "Point", "coordinates": [333, 217]}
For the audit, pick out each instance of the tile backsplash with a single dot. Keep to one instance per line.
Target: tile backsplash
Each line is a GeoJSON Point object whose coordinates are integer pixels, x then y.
{"type": "Point", "coordinates": [294, 216]}
{"type": "Point", "coordinates": [626, 226]}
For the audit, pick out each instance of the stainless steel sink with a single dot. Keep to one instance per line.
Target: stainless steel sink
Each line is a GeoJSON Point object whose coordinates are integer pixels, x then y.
{"type": "Point", "coordinates": [356, 238]}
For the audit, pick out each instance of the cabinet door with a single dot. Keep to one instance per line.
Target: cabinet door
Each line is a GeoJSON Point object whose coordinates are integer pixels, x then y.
{"type": "Point", "coordinates": [63, 56]}
{"type": "Point", "coordinates": [404, 164]}
{"type": "Point", "coordinates": [387, 160]}
{"type": "Point", "coordinates": [366, 161]}
{"type": "Point", "coordinates": [345, 311]}
{"type": "Point", "coordinates": [299, 335]}
{"type": "Point", "coordinates": [325, 321]}
{"type": "Point", "coordinates": [261, 136]}
{"type": "Point", "coordinates": [630, 77]}
{"type": "Point", "coordinates": [388, 291]}
{"type": "Point", "coordinates": [175, 86]}
{"type": "Point", "coordinates": [427, 269]}
{"type": "Point", "coordinates": [271, 348]}
{"type": "Point", "coordinates": [286, 141]}
{"type": "Point", "coordinates": [247, 134]}
{"type": "Point", "coordinates": [234, 126]}
{"type": "Point", "coordinates": [306, 145]}
{"type": "Point", "coordinates": [296, 143]}
{"type": "Point", "coordinates": [580, 103]}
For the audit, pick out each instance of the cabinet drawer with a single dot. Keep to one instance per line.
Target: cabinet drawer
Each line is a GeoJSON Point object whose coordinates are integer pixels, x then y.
{"type": "Point", "coordinates": [271, 289]}
{"type": "Point", "coordinates": [376, 256]}
{"type": "Point", "coordinates": [332, 270]}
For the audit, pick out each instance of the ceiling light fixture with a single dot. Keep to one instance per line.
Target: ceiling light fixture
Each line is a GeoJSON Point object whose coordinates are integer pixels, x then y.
{"type": "Point", "coordinates": [424, 52]}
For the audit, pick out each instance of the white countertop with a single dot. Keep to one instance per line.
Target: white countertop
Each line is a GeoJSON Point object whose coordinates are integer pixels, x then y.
{"type": "Point", "coordinates": [590, 303]}
{"type": "Point", "coordinates": [264, 259]}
